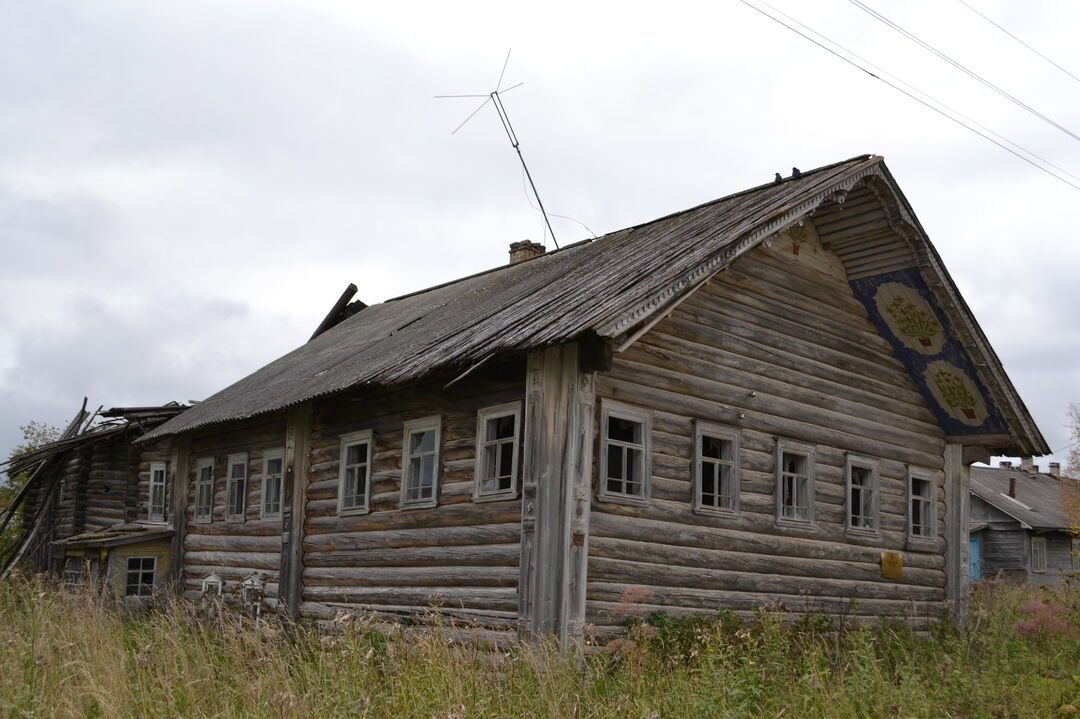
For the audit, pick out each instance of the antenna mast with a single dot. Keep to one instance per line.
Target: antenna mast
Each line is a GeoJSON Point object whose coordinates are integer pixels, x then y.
{"type": "Point", "coordinates": [495, 98]}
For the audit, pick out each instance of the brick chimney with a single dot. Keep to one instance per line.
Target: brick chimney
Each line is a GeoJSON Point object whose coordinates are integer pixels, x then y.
{"type": "Point", "coordinates": [1027, 464]}
{"type": "Point", "coordinates": [525, 250]}
{"type": "Point", "coordinates": [1055, 469]}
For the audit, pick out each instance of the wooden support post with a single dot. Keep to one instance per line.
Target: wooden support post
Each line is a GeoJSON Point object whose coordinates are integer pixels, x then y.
{"type": "Point", "coordinates": [293, 514]}
{"type": "Point", "coordinates": [957, 479]}
{"type": "Point", "coordinates": [556, 494]}
{"type": "Point", "coordinates": [181, 457]}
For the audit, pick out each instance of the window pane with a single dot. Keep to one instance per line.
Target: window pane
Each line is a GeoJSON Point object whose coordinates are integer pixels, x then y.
{"type": "Point", "coordinates": [422, 442]}
{"type": "Point", "coordinates": [490, 461]}
{"type": "Point", "coordinates": [708, 484]}
{"type": "Point", "coordinates": [725, 489]}
{"type": "Point", "coordinates": [615, 461]}
{"type": "Point", "coordinates": [633, 471]}
{"type": "Point", "coordinates": [237, 471]}
{"type": "Point", "coordinates": [500, 427]}
{"type": "Point", "coordinates": [506, 459]}
{"type": "Point", "coordinates": [356, 453]}
{"type": "Point", "coordinates": [273, 466]}
{"type": "Point", "coordinates": [624, 430]}
{"type": "Point", "coordinates": [717, 448]}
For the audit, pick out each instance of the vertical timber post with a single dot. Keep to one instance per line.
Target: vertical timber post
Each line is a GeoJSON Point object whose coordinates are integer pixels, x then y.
{"type": "Point", "coordinates": [556, 492]}
{"type": "Point", "coordinates": [293, 510]}
{"type": "Point", "coordinates": [181, 476]}
{"type": "Point", "coordinates": [957, 478]}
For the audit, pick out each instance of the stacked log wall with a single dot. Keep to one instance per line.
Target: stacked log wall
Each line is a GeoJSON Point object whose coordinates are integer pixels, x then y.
{"type": "Point", "coordinates": [229, 548]}
{"type": "Point", "coordinates": [460, 556]}
{"type": "Point", "coordinates": [776, 348]}
{"type": "Point", "coordinates": [107, 484]}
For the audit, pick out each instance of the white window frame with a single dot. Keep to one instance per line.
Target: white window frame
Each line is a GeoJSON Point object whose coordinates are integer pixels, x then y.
{"type": "Point", "coordinates": [140, 571]}
{"type": "Point", "coordinates": [267, 457]}
{"type": "Point", "coordinates": [417, 426]}
{"type": "Point", "coordinates": [630, 414]}
{"type": "Point", "coordinates": [239, 458]}
{"type": "Point", "coordinates": [351, 440]}
{"type": "Point", "coordinates": [809, 453]}
{"type": "Point", "coordinates": [509, 409]}
{"type": "Point", "coordinates": [873, 486]}
{"type": "Point", "coordinates": [1038, 556]}
{"type": "Point", "coordinates": [157, 512]}
{"type": "Point", "coordinates": [208, 516]}
{"type": "Point", "coordinates": [727, 434]}
{"type": "Point", "coordinates": [931, 478]}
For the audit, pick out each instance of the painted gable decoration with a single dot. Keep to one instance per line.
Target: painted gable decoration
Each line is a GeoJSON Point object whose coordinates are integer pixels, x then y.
{"type": "Point", "coordinates": [899, 305]}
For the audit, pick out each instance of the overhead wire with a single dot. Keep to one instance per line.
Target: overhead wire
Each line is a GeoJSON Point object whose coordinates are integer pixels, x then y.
{"type": "Point", "coordinates": [940, 108]}
{"type": "Point", "coordinates": [1014, 37]}
{"type": "Point", "coordinates": [962, 68]}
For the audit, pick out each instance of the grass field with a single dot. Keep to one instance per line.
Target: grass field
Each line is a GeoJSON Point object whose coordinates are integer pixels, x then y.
{"type": "Point", "coordinates": [67, 654]}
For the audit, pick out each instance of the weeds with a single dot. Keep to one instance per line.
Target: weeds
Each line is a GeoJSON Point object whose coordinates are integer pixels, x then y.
{"type": "Point", "coordinates": [67, 653]}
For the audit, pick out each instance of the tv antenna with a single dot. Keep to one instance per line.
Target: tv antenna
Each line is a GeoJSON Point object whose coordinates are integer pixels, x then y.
{"type": "Point", "coordinates": [495, 97]}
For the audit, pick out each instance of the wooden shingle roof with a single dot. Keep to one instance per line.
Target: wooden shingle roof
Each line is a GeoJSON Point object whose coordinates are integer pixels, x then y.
{"type": "Point", "coordinates": [608, 288]}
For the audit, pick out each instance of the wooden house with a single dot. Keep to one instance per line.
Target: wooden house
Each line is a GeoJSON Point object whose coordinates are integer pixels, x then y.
{"type": "Point", "coordinates": [94, 504]}
{"type": "Point", "coordinates": [771, 399]}
{"type": "Point", "coordinates": [1024, 523]}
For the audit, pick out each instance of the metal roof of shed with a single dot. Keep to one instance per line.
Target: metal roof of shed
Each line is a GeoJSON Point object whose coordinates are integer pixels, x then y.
{"type": "Point", "coordinates": [1040, 501]}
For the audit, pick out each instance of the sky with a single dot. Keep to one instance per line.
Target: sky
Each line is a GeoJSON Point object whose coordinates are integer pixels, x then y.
{"type": "Point", "coordinates": [186, 188]}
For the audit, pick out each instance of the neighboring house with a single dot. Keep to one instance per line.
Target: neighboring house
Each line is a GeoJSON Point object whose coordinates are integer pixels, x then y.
{"type": "Point", "coordinates": [1021, 527]}
{"type": "Point", "coordinates": [95, 504]}
{"type": "Point", "coordinates": [771, 399]}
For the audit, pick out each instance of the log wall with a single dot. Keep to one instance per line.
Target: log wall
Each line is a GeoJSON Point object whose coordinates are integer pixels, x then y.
{"type": "Point", "coordinates": [232, 549]}
{"type": "Point", "coordinates": [460, 556]}
{"type": "Point", "coordinates": [777, 348]}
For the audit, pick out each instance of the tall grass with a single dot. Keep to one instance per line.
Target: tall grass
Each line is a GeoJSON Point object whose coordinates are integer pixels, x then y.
{"type": "Point", "coordinates": [69, 654]}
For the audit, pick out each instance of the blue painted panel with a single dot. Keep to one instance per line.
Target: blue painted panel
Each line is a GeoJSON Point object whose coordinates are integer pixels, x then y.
{"type": "Point", "coordinates": [975, 567]}
{"type": "Point", "coordinates": [900, 306]}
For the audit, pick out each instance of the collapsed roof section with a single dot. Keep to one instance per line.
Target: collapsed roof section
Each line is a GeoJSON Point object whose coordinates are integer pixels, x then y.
{"type": "Point", "coordinates": [618, 285]}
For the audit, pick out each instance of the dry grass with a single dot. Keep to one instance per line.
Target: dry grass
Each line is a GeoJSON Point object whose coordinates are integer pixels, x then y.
{"type": "Point", "coordinates": [65, 654]}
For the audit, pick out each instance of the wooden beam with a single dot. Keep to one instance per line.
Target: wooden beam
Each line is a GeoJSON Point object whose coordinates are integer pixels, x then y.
{"type": "Point", "coordinates": [181, 456]}
{"type": "Point", "coordinates": [556, 492]}
{"type": "Point", "coordinates": [957, 481]}
{"type": "Point", "coordinates": [293, 515]}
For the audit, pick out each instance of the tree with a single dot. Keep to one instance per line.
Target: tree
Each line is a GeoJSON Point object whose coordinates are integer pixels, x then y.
{"type": "Point", "coordinates": [35, 434]}
{"type": "Point", "coordinates": [1072, 464]}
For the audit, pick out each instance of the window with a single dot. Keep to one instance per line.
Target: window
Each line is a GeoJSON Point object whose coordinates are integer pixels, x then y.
{"type": "Point", "coordinates": [273, 473]}
{"type": "Point", "coordinates": [862, 492]}
{"type": "Point", "coordinates": [716, 469]}
{"type": "Point", "coordinates": [497, 430]}
{"type": "Point", "coordinates": [1076, 555]}
{"type": "Point", "coordinates": [236, 490]}
{"type": "Point", "coordinates": [420, 463]}
{"type": "Point", "coordinates": [157, 492]}
{"type": "Point", "coordinates": [922, 519]}
{"type": "Point", "coordinates": [794, 482]}
{"type": "Point", "coordinates": [140, 576]}
{"type": "Point", "coordinates": [204, 491]}
{"type": "Point", "coordinates": [624, 454]}
{"type": "Point", "coordinates": [1038, 554]}
{"type": "Point", "coordinates": [354, 473]}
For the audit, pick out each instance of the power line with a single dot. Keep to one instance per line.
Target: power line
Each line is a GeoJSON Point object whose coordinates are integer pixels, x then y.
{"type": "Point", "coordinates": [1014, 37]}
{"type": "Point", "coordinates": [962, 68]}
{"type": "Point", "coordinates": [932, 104]}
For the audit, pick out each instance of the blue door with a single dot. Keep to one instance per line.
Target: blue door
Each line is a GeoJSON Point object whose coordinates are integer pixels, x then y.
{"type": "Point", "coordinates": [975, 570]}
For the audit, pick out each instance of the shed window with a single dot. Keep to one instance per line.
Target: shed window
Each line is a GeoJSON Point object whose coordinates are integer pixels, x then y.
{"type": "Point", "coordinates": [862, 482]}
{"type": "Point", "coordinates": [354, 472]}
{"type": "Point", "coordinates": [716, 469]}
{"type": "Point", "coordinates": [794, 482]}
{"type": "Point", "coordinates": [140, 576]}
{"type": "Point", "coordinates": [204, 491]}
{"type": "Point", "coordinates": [236, 492]}
{"type": "Point", "coordinates": [921, 515]}
{"type": "Point", "coordinates": [1038, 554]}
{"type": "Point", "coordinates": [497, 430]}
{"type": "Point", "coordinates": [273, 475]}
{"type": "Point", "coordinates": [420, 463]}
{"type": "Point", "coordinates": [157, 491]}
{"type": "Point", "coordinates": [624, 454]}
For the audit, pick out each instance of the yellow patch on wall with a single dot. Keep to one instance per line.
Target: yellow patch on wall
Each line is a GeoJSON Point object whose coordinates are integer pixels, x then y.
{"type": "Point", "coordinates": [892, 565]}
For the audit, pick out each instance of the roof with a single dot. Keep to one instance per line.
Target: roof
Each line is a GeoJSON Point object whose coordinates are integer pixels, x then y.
{"type": "Point", "coordinates": [116, 535]}
{"type": "Point", "coordinates": [1040, 498]}
{"type": "Point", "coordinates": [608, 288]}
